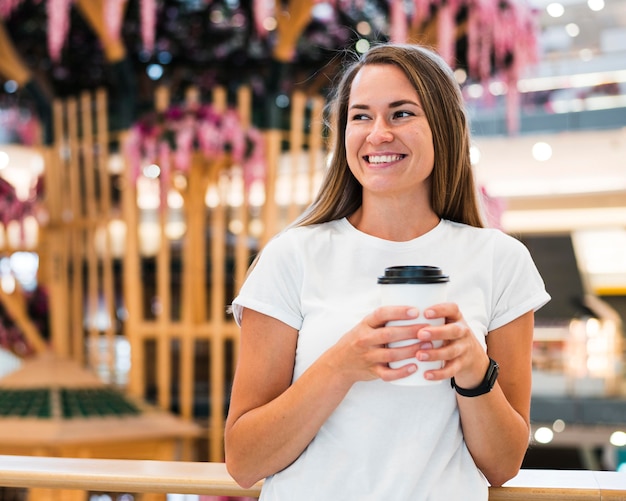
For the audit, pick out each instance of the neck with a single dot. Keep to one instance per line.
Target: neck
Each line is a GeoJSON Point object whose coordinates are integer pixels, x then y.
{"type": "Point", "coordinates": [397, 225]}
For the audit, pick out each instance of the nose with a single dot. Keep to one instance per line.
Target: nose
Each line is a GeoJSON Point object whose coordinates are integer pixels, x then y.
{"type": "Point", "coordinates": [380, 132]}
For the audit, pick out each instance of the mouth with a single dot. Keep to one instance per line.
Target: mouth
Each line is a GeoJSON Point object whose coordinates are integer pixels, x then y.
{"type": "Point", "coordinates": [382, 159]}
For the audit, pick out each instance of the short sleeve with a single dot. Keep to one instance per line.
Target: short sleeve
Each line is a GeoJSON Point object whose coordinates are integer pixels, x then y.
{"type": "Point", "coordinates": [518, 286]}
{"type": "Point", "coordinates": [273, 286]}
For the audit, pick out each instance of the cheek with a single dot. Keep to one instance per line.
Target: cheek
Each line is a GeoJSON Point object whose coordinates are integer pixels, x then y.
{"type": "Point", "coordinates": [353, 141]}
{"type": "Point", "coordinates": [349, 142]}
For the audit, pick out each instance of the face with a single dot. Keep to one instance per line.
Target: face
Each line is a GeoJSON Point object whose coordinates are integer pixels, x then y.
{"type": "Point", "coordinates": [388, 141]}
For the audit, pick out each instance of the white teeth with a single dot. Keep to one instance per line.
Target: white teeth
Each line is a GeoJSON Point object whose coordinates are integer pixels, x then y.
{"type": "Point", "coordinates": [383, 159]}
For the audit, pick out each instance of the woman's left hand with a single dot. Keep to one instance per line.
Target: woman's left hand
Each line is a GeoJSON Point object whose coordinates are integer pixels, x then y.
{"type": "Point", "coordinates": [464, 357]}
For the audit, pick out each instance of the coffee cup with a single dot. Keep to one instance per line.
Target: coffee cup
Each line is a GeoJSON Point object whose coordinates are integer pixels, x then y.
{"type": "Point", "coordinates": [421, 287]}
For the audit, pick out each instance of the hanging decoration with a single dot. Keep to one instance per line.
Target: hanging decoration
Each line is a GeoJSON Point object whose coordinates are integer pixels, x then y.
{"type": "Point", "coordinates": [11, 207]}
{"type": "Point", "coordinates": [58, 26]}
{"type": "Point", "coordinates": [486, 38]}
{"type": "Point", "coordinates": [58, 12]}
{"type": "Point", "coordinates": [113, 16]}
{"type": "Point", "coordinates": [169, 139]}
{"type": "Point", "coordinates": [17, 125]}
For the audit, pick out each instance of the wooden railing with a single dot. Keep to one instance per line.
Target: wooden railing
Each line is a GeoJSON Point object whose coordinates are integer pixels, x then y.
{"type": "Point", "coordinates": [104, 475]}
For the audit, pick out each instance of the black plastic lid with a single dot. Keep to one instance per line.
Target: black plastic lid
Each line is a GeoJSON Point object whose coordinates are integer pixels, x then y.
{"type": "Point", "coordinates": [413, 275]}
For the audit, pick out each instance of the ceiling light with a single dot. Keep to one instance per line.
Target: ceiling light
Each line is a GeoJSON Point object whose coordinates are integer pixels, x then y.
{"type": "Point", "coordinates": [595, 5]}
{"type": "Point", "coordinates": [572, 30]}
{"type": "Point", "coordinates": [618, 439]}
{"type": "Point", "coordinates": [555, 9]}
{"type": "Point", "coordinates": [558, 425]}
{"type": "Point", "coordinates": [544, 435]}
{"type": "Point", "coordinates": [542, 151]}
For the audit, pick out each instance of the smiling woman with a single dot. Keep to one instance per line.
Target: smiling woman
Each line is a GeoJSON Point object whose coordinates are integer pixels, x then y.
{"type": "Point", "coordinates": [311, 408]}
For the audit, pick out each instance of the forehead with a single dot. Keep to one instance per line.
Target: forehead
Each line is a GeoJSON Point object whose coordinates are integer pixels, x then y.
{"type": "Point", "coordinates": [381, 82]}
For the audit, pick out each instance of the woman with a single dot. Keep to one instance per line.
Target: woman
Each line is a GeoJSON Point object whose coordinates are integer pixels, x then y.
{"type": "Point", "coordinates": [312, 408]}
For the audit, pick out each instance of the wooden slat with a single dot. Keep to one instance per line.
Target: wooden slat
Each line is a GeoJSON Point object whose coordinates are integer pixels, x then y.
{"type": "Point", "coordinates": [73, 212]}
{"type": "Point", "coordinates": [90, 215]}
{"type": "Point", "coordinates": [296, 140]}
{"type": "Point", "coordinates": [56, 236]}
{"type": "Point", "coordinates": [218, 279]}
{"type": "Point", "coordinates": [132, 284]}
{"type": "Point", "coordinates": [164, 315]}
{"type": "Point", "coordinates": [102, 158]}
{"type": "Point", "coordinates": [270, 209]}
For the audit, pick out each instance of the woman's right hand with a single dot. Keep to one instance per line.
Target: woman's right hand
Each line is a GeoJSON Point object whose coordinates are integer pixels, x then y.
{"type": "Point", "coordinates": [363, 354]}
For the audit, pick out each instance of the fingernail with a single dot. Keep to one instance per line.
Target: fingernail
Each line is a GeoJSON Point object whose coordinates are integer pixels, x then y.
{"type": "Point", "coordinates": [413, 312]}
{"type": "Point", "coordinates": [424, 335]}
{"type": "Point", "coordinates": [429, 313]}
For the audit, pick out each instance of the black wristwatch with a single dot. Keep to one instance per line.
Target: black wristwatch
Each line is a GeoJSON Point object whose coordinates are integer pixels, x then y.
{"type": "Point", "coordinates": [485, 386]}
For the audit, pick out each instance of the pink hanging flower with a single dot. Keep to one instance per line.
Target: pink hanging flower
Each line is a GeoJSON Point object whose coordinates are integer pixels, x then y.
{"type": "Point", "coordinates": [148, 24]}
{"type": "Point", "coordinates": [58, 26]}
{"type": "Point", "coordinates": [398, 24]}
{"type": "Point", "coordinates": [113, 15]}
{"type": "Point", "coordinates": [7, 7]}
{"type": "Point", "coordinates": [261, 10]}
{"type": "Point", "coordinates": [446, 35]}
{"type": "Point", "coordinates": [421, 12]}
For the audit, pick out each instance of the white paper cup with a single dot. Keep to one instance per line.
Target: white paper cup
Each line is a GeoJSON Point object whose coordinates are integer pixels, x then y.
{"type": "Point", "coordinates": [419, 286]}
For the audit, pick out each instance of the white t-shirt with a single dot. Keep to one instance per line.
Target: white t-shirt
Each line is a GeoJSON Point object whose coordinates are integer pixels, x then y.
{"type": "Point", "coordinates": [384, 441]}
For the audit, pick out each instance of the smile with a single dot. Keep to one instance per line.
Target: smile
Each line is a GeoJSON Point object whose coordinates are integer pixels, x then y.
{"type": "Point", "coordinates": [383, 159]}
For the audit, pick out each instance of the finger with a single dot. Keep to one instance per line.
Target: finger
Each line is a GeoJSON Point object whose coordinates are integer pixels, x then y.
{"type": "Point", "coordinates": [384, 314]}
{"type": "Point", "coordinates": [446, 332]}
{"type": "Point", "coordinates": [386, 373]}
{"type": "Point", "coordinates": [449, 311]}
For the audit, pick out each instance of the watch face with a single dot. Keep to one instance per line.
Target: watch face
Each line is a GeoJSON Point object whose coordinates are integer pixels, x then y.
{"type": "Point", "coordinates": [494, 370]}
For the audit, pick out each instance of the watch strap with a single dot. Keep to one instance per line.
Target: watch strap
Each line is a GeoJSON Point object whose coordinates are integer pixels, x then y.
{"type": "Point", "coordinates": [486, 384]}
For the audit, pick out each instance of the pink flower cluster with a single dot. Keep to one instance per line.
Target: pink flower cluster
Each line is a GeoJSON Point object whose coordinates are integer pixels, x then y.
{"type": "Point", "coordinates": [11, 207]}
{"type": "Point", "coordinates": [169, 139]}
{"type": "Point", "coordinates": [25, 127]}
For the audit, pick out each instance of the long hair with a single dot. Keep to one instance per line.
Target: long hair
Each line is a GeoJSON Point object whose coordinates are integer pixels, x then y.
{"type": "Point", "coordinates": [453, 191]}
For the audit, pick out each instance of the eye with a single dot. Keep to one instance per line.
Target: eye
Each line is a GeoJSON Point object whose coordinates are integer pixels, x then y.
{"type": "Point", "coordinates": [403, 114]}
{"type": "Point", "coordinates": [359, 116]}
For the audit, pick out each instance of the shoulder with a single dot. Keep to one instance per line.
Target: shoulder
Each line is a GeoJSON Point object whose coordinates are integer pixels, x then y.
{"type": "Point", "coordinates": [295, 240]}
{"type": "Point", "coordinates": [498, 240]}
{"type": "Point", "coordinates": [294, 234]}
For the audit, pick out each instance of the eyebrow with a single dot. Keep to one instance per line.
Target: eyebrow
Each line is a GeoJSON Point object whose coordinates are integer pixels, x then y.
{"type": "Point", "coordinates": [394, 104]}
